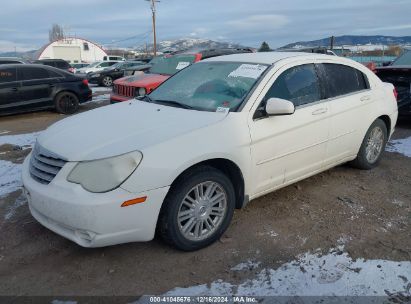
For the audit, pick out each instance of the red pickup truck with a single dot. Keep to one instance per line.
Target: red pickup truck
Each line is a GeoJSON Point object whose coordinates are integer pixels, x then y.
{"type": "Point", "coordinates": [164, 67]}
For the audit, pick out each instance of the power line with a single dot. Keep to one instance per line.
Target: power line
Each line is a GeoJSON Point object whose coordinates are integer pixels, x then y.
{"type": "Point", "coordinates": [129, 38]}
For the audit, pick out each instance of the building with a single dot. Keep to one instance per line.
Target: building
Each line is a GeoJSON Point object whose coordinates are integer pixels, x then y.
{"type": "Point", "coordinates": [73, 50]}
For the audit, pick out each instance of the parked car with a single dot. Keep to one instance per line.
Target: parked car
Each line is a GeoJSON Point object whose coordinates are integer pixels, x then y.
{"type": "Point", "coordinates": [211, 138]}
{"type": "Point", "coordinates": [77, 66]}
{"type": "Point", "coordinates": [96, 67]}
{"type": "Point", "coordinates": [11, 60]}
{"type": "Point", "coordinates": [162, 67]}
{"type": "Point", "coordinates": [399, 74]}
{"type": "Point", "coordinates": [106, 76]}
{"type": "Point", "coordinates": [31, 87]}
{"type": "Point", "coordinates": [57, 63]}
{"type": "Point", "coordinates": [113, 58]}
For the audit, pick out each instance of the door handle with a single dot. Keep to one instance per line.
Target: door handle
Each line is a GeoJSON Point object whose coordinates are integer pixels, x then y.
{"type": "Point", "coordinates": [14, 89]}
{"type": "Point", "coordinates": [365, 98]}
{"type": "Point", "coordinates": [51, 85]}
{"type": "Point", "coordinates": [319, 111]}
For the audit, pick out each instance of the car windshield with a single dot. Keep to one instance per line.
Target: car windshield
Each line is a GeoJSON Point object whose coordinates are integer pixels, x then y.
{"type": "Point", "coordinates": [404, 59]}
{"type": "Point", "coordinates": [169, 65]}
{"type": "Point", "coordinates": [92, 65]}
{"type": "Point", "coordinates": [209, 86]}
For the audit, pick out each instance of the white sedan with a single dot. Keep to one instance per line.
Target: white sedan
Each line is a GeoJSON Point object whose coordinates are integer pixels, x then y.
{"type": "Point", "coordinates": [213, 137]}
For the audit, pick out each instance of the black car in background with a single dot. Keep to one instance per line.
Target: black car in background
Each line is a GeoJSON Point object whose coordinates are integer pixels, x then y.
{"type": "Point", "coordinates": [31, 87]}
{"type": "Point", "coordinates": [57, 63]}
{"type": "Point", "coordinates": [399, 74]}
{"type": "Point", "coordinates": [11, 60]}
{"type": "Point", "coordinates": [108, 75]}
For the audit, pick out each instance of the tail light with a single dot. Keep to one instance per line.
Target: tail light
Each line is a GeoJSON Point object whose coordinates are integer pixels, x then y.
{"type": "Point", "coordinates": [395, 94]}
{"type": "Point", "coordinates": [85, 82]}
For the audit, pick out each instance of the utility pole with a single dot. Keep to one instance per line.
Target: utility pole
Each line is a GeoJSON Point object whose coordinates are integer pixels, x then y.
{"type": "Point", "coordinates": [153, 11]}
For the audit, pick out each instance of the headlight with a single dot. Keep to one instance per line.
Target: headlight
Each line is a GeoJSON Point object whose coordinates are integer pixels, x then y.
{"type": "Point", "coordinates": [141, 92]}
{"type": "Point", "coordinates": [105, 174]}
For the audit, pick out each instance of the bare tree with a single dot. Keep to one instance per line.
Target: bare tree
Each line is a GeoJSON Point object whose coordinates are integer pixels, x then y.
{"type": "Point", "coordinates": [56, 32]}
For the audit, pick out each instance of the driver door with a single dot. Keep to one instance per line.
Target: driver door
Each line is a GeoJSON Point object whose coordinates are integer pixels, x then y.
{"type": "Point", "coordinates": [290, 147]}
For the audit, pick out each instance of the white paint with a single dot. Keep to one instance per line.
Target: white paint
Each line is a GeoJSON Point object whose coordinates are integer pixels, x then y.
{"type": "Point", "coordinates": [333, 274]}
{"type": "Point", "coordinates": [402, 146]}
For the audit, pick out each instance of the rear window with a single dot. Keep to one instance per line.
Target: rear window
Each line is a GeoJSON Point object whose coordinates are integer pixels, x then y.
{"type": "Point", "coordinates": [342, 79]}
{"type": "Point", "coordinates": [8, 75]}
{"type": "Point", "coordinates": [62, 65]}
{"type": "Point", "coordinates": [32, 73]}
{"type": "Point", "coordinates": [172, 64]}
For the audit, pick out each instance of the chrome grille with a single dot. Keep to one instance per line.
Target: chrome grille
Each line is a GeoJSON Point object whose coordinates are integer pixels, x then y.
{"type": "Point", "coordinates": [44, 165]}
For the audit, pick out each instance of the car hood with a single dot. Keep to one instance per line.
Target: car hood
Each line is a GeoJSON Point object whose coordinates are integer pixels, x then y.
{"type": "Point", "coordinates": [121, 128]}
{"type": "Point", "coordinates": [142, 80]}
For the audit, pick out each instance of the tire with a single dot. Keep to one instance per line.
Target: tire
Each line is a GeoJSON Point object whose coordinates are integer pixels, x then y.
{"type": "Point", "coordinates": [66, 103]}
{"type": "Point", "coordinates": [172, 219]}
{"type": "Point", "coordinates": [107, 81]}
{"type": "Point", "coordinates": [372, 145]}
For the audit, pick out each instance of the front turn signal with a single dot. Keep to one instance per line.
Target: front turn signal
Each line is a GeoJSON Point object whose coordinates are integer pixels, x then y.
{"type": "Point", "coordinates": [134, 201]}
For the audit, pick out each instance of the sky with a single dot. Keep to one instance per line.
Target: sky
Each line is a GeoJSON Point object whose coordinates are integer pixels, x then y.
{"type": "Point", "coordinates": [24, 24]}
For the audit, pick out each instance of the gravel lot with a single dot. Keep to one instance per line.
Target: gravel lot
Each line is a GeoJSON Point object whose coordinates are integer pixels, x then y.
{"type": "Point", "coordinates": [328, 234]}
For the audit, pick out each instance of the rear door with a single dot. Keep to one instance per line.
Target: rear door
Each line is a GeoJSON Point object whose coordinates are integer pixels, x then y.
{"type": "Point", "coordinates": [351, 104]}
{"type": "Point", "coordinates": [9, 88]}
{"type": "Point", "coordinates": [36, 85]}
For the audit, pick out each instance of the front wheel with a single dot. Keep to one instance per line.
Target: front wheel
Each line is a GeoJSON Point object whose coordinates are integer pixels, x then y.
{"type": "Point", "coordinates": [107, 81]}
{"type": "Point", "coordinates": [198, 209]}
{"type": "Point", "coordinates": [372, 146]}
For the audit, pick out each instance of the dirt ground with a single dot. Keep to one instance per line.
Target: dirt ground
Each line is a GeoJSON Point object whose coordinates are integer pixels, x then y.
{"type": "Point", "coordinates": [370, 211]}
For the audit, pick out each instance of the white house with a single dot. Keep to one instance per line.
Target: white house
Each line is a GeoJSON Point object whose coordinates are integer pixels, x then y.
{"type": "Point", "coordinates": [73, 50]}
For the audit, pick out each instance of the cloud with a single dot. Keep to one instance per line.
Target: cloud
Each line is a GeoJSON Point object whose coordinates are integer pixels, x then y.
{"type": "Point", "coordinates": [259, 22]}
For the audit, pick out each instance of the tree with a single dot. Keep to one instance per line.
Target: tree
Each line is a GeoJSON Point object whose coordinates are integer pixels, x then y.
{"type": "Point", "coordinates": [264, 47]}
{"type": "Point", "coordinates": [56, 32]}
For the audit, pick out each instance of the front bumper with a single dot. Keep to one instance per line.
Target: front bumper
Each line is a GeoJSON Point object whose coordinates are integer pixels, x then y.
{"type": "Point", "coordinates": [92, 219]}
{"type": "Point", "coordinates": [114, 98]}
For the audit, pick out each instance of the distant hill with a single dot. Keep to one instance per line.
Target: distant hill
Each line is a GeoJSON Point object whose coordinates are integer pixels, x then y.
{"type": "Point", "coordinates": [25, 55]}
{"type": "Point", "coordinates": [353, 40]}
{"type": "Point", "coordinates": [192, 44]}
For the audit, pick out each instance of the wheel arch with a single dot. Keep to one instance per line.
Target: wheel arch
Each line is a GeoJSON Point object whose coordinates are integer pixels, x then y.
{"type": "Point", "coordinates": [230, 169]}
{"type": "Point", "coordinates": [387, 121]}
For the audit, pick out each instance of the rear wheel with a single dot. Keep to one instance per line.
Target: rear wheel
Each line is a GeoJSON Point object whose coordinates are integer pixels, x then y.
{"type": "Point", "coordinates": [66, 103]}
{"type": "Point", "coordinates": [198, 209]}
{"type": "Point", "coordinates": [372, 146]}
{"type": "Point", "coordinates": [107, 81]}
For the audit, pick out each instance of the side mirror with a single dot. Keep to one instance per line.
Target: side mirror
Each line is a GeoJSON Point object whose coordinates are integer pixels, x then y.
{"type": "Point", "coordinates": [278, 106]}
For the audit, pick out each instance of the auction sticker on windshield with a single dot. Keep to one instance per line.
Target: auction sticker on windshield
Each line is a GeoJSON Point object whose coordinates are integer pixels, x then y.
{"type": "Point", "coordinates": [182, 64]}
{"type": "Point", "coordinates": [248, 70]}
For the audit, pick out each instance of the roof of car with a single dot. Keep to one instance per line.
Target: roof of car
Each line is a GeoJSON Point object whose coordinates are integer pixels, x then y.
{"type": "Point", "coordinates": [264, 57]}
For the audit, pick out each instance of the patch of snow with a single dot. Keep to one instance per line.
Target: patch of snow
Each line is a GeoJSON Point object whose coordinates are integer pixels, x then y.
{"type": "Point", "coordinates": [63, 302]}
{"type": "Point", "coordinates": [95, 89]}
{"type": "Point", "coordinates": [333, 274]}
{"type": "Point", "coordinates": [10, 173]}
{"type": "Point", "coordinates": [10, 177]}
{"type": "Point", "coordinates": [398, 203]}
{"type": "Point", "coordinates": [23, 140]}
{"type": "Point", "coordinates": [100, 98]}
{"type": "Point", "coordinates": [20, 201]}
{"type": "Point", "coordinates": [249, 265]}
{"type": "Point", "coordinates": [402, 146]}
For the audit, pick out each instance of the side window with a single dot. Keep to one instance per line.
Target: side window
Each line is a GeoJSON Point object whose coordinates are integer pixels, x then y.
{"type": "Point", "coordinates": [8, 75]}
{"type": "Point", "coordinates": [111, 63]}
{"type": "Point", "coordinates": [342, 79]}
{"type": "Point", "coordinates": [62, 65]}
{"type": "Point", "coordinates": [31, 73]}
{"type": "Point", "coordinates": [103, 65]}
{"type": "Point", "coordinates": [298, 84]}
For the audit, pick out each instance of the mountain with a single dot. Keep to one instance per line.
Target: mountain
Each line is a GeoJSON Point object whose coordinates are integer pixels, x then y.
{"type": "Point", "coordinates": [191, 44]}
{"type": "Point", "coordinates": [352, 40]}
{"type": "Point", "coordinates": [26, 55]}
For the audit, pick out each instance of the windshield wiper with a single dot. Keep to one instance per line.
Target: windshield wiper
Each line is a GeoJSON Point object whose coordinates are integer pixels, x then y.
{"type": "Point", "coordinates": [174, 103]}
{"type": "Point", "coordinates": [145, 98]}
